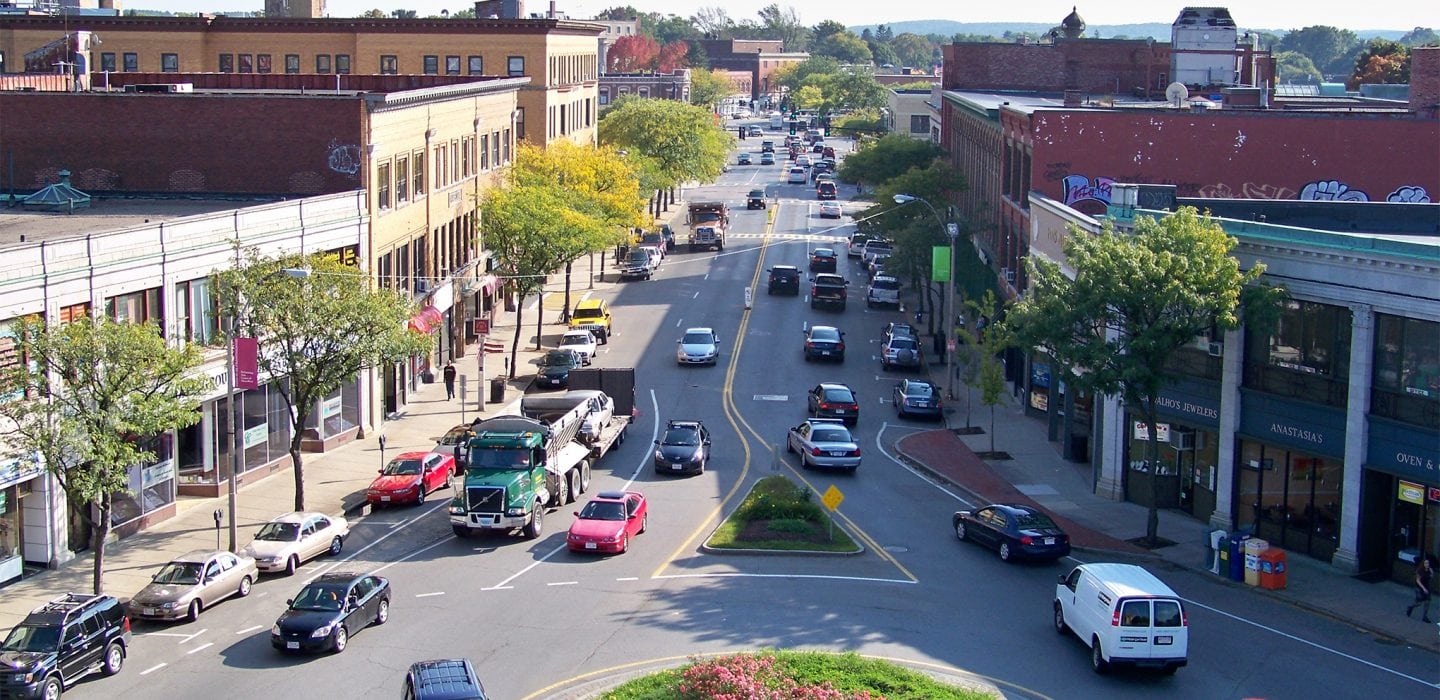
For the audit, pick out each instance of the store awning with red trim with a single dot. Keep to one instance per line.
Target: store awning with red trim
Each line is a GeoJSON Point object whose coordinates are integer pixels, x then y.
{"type": "Point", "coordinates": [427, 320]}
{"type": "Point", "coordinates": [488, 284]}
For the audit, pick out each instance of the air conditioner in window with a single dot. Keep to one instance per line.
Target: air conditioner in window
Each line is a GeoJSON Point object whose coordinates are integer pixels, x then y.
{"type": "Point", "coordinates": [1009, 274]}
{"type": "Point", "coordinates": [1182, 440]}
{"type": "Point", "coordinates": [422, 286]}
{"type": "Point", "coordinates": [1215, 348]}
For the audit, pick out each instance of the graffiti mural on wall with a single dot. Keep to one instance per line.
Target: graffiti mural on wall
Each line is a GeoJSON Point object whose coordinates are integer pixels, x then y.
{"type": "Point", "coordinates": [343, 158]}
{"type": "Point", "coordinates": [1409, 194]}
{"type": "Point", "coordinates": [1079, 188]}
{"type": "Point", "coordinates": [1337, 191]}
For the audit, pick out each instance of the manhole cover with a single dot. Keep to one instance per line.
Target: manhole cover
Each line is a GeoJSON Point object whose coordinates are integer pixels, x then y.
{"type": "Point", "coordinates": [896, 549]}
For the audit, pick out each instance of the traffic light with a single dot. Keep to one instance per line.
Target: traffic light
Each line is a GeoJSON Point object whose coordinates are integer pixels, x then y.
{"type": "Point", "coordinates": [827, 131]}
{"type": "Point", "coordinates": [792, 128]}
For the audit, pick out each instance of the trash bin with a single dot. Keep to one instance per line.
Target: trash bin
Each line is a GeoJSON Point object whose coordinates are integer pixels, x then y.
{"type": "Point", "coordinates": [497, 390]}
{"type": "Point", "coordinates": [1235, 548]}
{"type": "Point", "coordinates": [1272, 569]}
{"type": "Point", "coordinates": [1214, 549]}
{"type": "Point", "coordinates": [1254, 547]}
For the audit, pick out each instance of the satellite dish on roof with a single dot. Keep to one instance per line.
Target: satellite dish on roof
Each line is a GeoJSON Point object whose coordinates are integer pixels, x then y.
{"type": "Point", "coordinates": [1176, 93]}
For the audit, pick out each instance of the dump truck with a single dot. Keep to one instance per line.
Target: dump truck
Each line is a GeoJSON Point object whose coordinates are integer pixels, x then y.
{"type": "Point", "coordinates": [708, 221]}
{"type": "Point", "coordinates": [519, 466]}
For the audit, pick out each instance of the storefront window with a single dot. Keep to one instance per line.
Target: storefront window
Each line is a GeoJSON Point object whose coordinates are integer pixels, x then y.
{"type": "Point", "coordinates": [1307, 356]}
{"type": "Point", "coordinates": [152, 485]}
{"type": "Point", "coordinates": [1290, 499]}
{"type": "Point", "coordinates": [1407, 370]}
{"type": "Point", "coordinates": [190, 454]}
{"type": "Point", "coordinates": [9, 522]}
{"type": "Point", "coordinates": [337, 412]}
{"type": "Point", "coordinates": [263, 422]}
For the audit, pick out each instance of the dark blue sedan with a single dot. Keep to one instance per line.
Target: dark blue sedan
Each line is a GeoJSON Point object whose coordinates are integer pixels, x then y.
{"type": "Point", "coordinates": [1015, 531]}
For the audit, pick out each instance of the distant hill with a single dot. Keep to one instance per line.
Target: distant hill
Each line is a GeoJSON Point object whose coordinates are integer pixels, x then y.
{"type": "Point", "coordinates": [1160, 31]}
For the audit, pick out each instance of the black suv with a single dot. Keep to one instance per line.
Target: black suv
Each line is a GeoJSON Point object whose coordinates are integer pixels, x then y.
{"type": "Point", "coordinates": [784, 279]}
{"type": "Point", "coordinates": [444, 679]}
{"type": "Point", "coordinates": [755, 200]}
{"type": "Point", "coordinates": [62, 641]}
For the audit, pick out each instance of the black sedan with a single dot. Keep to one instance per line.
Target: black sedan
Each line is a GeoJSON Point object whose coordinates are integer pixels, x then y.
{"type": "Point", "coordinates": [822, 260]}
{"type": "Point", "coordinates": [684, 448]}
{"type": "Point", "coordinates": [834, 400]}
{"type": "Point", "coordinates": [329, 609]}
{"type": "Point", "coordinates": [824, 342]}
{"type": "Point", "coordinates": [1015, 531]}
{"type": "Point", "coordinates": [555, 368]}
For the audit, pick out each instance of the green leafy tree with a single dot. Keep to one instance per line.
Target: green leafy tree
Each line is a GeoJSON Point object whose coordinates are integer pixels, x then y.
{"type": "Point", "coordinates": [708, 87]}
{"type": "Point", "coordinates": [672, 28]}
{"type": "Point", "coordinates": [988, 337]}
{"type": "Point", "coordinates": [914, 50]}
{"type": "Point", "coordinates": [373, 14]}
{"type": "Point", "coordinates": [525, 227]}
{"type": "Point", "coordinates": [882, 54]}
{"type": "Point", "coordinates": [1420, 36]}
{"type": "Point", "coordinates": [696, 57]}
{"type": "Point", "coordinates": [808, 97]}
{"type": "Point", "coordinates": [1326, 46]}
{"type": "Point", "coordinates": [1135, 300]}
{"type": "Point", "coordinates": [1382, 61]}
{"type": "Point", "coordinates": [91, 394]}
{"type": "Point", "coordinates": [827, 28]}
{"type": "Point", "coordinates": [886, 159]}
{"type": "Point", "coordinates": [783, 23]}
{"type": "Point", "coordinates": [795, 75]}
{"type": "Point", "coordinates": [884, 34]}
{"type": "Point", "coordinates": [317, 322]}
{"type": "Point", "coordinates": [850, 89]}
{"type": "Point", "coordinates": [683, 141]}
{"type": "Point", "coordinates": [1295, 68]}
{"type": "Point", "coordinates": [844, 47]}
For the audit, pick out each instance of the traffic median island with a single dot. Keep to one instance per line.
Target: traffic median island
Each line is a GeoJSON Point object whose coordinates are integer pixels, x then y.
{"type": "Point", "coordinates": [779, 515]}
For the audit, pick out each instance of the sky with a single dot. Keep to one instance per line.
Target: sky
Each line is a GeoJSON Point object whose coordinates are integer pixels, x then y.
{"type": "Point", "coordinates": [1258, 14]}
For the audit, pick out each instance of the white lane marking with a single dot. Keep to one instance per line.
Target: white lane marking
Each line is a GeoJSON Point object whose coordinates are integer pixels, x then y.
{"type": "Point", "coordinates": [202, 646]}
{"type": "Point", "coordinates": [442, 503]}
{"type": "Point", "coordinates": [880, 446]}
{"type": "Point", "coordinates": [697, 295]}
{"type": "Point", "coordinates": [154, 668]}
{"type": "Point", "coordinates": [163, 634]}
{"type": "Point", "coordinates": [859, 579]}
{"type": "Point", "coordinates": [262, 594]}
{"type": "Point", "coordinates": [563, 583]}
{"type": "Point", "coordinates": [429, 595]}
{"type": "Point", "coordinates": [197, 634]}
{"type": "Point", "coordinates": [628, 578]}
{"type": "Point", "coordinates": [677, 322]}
{"type": "Point", "coordinates": [421, 550]}
{"type": "Point", "coordinates": [1316, 645]}
{"type": "Point", "coordinates": [248, 630]}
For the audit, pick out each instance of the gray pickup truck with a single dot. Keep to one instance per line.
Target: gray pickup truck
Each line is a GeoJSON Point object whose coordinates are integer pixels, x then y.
{"type": "Point", "coordinates": [828, 291]}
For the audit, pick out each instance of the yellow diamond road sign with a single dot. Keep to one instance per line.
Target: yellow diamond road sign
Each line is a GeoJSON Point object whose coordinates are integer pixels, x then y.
{"type": "Point", "coordinates": [832, 497]}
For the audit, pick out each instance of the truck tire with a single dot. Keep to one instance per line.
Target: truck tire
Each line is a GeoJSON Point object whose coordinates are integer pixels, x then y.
{"type": "Point", "coordinates": [694, 248]}
{"type": "Point", "coordinates": [536, 526]}
{"type": "Point", "coordinates": [572, 486]}
{"type": "Point", "coordinates": [585, 475]}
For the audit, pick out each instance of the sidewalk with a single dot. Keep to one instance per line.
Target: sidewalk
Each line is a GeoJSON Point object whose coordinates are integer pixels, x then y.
{"type": "Point", "coordinates": [1037, 475]}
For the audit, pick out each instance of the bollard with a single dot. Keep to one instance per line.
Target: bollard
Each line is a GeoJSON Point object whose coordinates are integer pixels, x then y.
{"type": "Point", "coordinates": [748, 298]}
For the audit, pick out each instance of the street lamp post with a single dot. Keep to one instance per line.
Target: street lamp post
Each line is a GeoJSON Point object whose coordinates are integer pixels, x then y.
{"type": "Point", "coordinates": [951, 232]}
{"type": "Point", "coordinates": [230, 427]}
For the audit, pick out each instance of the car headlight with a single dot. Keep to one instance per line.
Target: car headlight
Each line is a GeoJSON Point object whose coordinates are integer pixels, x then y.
{"type": "Point", "coordinates": [170, 606]}
{"type": "Point", "coordinates": [24, 677]}
{"type": "Point", "coordinates": [456, 509]}
{"type": "Point", "coordinates": [659, 456]}
{"type": "Point", "coordinates": [275, 629]}
{"type": "Point", "coordinates": [515, 511]}
{"type": "Point", "coordinates": [323, 631]}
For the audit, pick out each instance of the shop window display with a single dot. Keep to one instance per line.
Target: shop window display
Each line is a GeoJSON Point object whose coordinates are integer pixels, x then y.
{"type": "Point", "coordinates": [1290, 499]}
{"type": "Point", "coordinates": [152, 485]}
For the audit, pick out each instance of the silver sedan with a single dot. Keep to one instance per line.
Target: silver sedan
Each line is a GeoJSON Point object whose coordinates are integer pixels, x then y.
{"type": "Point", "coordinates": [193, 582]}
{"type": "Point", "coordinates": [825, 443]}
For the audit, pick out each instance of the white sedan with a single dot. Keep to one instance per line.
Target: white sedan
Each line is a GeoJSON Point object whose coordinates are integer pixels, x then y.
{"type": "Point", "coordinates": [581, 341]}
{"type": "Point", "coordinates": [830, 210]}
{"type": "Point", "coordinates": [700, 346]}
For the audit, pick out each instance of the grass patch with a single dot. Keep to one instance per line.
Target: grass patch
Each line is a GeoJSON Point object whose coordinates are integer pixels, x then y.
{"type": "Point", "coordinates": [781, 515]}
{"type": "Point", "coordinates": [791, 674]}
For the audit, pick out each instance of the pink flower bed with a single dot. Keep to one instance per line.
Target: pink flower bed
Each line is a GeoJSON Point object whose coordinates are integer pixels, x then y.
{"type": "Point", "coordinates": [747, 677]}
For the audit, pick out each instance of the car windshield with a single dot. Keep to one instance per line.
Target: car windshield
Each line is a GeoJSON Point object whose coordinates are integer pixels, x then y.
{"type": "Point", "coordinates": [279, 532]}
{"type": "Point", "coordinates": [587, 313]}
{"type": "Point", "coordinates": [1033, 521]}
{"type": "Point", "coordinates": [697, 339]}
{"type": "Point", "coordinates": [603, 510]}
{"type": "Point", "coordinates": [183, 573]}
{"type": "Point", "coordinates": [637, 256]}
{"type": "Point", "coordinates": [403, 467]}
{"type": "Point", "coordinates": [829, 434]}
{"type": "Point", "coordinates": [576, 339]}
{"type": "Point", "coordinates": [684, 437]}
{"type": "Point", "coordinates": [557, 359]}
{"type": "Point", "coordinates": [825, 334]}
{"type": "Point", "coordinates": [489, 458]}
{"type": "Point", "coordinates": [839, 395]}
{"type": "Point", "coordinates": [32, 638]}
{"type": "Point", "coordinates": [318, 598]}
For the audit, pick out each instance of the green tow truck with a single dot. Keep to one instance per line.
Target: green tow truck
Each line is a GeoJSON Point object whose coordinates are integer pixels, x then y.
{"type": "Point", "coordinates": [521, 465]}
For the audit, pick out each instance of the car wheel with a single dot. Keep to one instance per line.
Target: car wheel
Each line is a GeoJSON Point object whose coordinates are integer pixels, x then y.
{"type": "Point", "coordinates": [1097, 657]}
{"type": "Point", "coordinates": [336, 543]}
{"type": "Point", "coordinates": [536, 525]}
{"type": "Point", "coordinates": [193, 612]}
{"type": "Point", "coordinates": [419, 501]}
{"type": "Point", "coordinates": [244, 589]}
{"type": "Point", "coordinates": [1005, 551]}
{"type": "Point", "coordinates": [1060, 626]}
{"type": "Point", "coordinates": [114, 659]}
{"type": "Point", "coordinates": [341, 638]}
{"type": "Point", "coordinates": [645, 522]}
{"type": "Point", "coordinates": [624, 543]}
{"type": "Point", "coordinates": [789, 446]}
{"type": "Point", "coordinates": [382, 612]}
{"type": "Point", "coordinates": [960, 533]}
{"type": "Point", "coordinates": [50, 689]}
{"type": "Point", "coordinates": [291, 565]}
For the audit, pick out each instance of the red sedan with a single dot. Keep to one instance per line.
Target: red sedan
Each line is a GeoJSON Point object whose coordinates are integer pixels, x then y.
{"type": "Point", "coordinates": [608, 521]}
{"type": "Point", "coordinates": [409, 477]}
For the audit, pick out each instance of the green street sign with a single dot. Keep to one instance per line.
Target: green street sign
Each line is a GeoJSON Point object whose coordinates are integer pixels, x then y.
{"type": "Point", "coordinates": [940, 263]}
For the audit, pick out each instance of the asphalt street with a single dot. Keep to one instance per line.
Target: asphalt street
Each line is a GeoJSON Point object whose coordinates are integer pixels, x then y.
{"type": "Point", "coordinates": [538, 621]}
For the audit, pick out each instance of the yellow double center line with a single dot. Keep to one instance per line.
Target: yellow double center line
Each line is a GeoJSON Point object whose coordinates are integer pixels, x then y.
{"type": "Point", "coordinates": [737, 420]}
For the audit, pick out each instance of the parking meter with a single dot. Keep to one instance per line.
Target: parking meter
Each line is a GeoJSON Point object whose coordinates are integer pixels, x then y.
{"type": "Point", "coordinates": [218, 514]}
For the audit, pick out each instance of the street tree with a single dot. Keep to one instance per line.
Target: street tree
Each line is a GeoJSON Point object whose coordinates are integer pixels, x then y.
{"type": "Point", "coordinates": [708, 87]}
{"type": "Point", "coordinates": [88, 403]}
{"type": "Point", "coordinates": [887, 158]}
{"type": "Point", "coordinates": [683, 141]}
{"type": "Point", "coordinates": [1295, 68]}
{"type": "Point", "coordinates": [794, 75]}
{"type": "Point", "coordinates": [1382, 61]}
{"type": "Point", "coordinates": [1134, 301]}
{"type": "Point", "coordinates": [672, 57]}
{"type": "Point", "coordinates": [808, 97]}
{"type": "Point", "coordinates": [317, 323]}
{"type": "Point", "coordinates": [988, 337]}
{"type": "Point", "coordinates": [850, 89]}
{"type": "Point", "coordinates": [524, 227]}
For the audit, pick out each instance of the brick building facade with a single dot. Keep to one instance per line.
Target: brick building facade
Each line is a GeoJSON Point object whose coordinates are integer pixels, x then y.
{"type": "Point", "coordinates": [758, 57]}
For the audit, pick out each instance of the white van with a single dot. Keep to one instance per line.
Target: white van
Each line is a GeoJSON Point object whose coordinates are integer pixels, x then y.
{"type": "Point", "coordinates": [1125, 615]}
{"type": "Point", "coordinates": [797, 175]}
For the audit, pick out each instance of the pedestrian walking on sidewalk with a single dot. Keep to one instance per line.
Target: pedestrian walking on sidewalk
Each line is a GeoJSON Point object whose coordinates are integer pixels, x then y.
{"type": "Point", "coordinates": [1424, 576]}
{"type": "Point", "coordinates": [449, 375]}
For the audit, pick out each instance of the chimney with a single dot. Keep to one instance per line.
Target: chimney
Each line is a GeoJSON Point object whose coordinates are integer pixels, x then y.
{"type": "Point", "coordinates": [1072, 98]}
{"type": "Point", "coordinates": [553, 12]}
